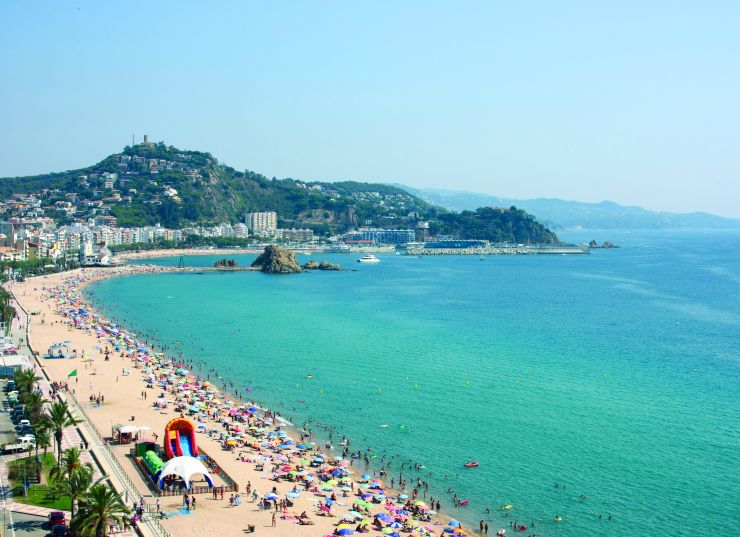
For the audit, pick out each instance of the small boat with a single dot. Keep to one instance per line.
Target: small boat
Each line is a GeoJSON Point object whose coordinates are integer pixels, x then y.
{"type": "Point", "coordinates": [370, 258]}
{"type": "Point", "coordinates": [471, 464]}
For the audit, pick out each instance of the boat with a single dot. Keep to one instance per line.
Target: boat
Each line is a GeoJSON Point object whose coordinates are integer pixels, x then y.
{"type": "Point", "coordinates": [369, 258]}
{"type": "Point", "coordinates": [471, 464]}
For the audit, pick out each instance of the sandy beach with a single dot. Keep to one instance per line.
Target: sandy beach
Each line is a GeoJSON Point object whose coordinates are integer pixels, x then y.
{"type": "Point", "coordinates": [127, 400]}
{"type": "Point", "coordinates": [122, 257]}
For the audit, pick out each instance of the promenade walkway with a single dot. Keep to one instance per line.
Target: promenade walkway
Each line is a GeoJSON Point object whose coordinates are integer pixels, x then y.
{"type": "Point", "coordinates": [97, 452]}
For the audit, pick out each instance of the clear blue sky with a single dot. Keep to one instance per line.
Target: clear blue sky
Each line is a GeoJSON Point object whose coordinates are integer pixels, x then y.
{"type": "Point", "coordinates": [636, 102]}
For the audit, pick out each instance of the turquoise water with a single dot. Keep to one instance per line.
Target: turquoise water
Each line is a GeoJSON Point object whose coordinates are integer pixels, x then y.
{"type": "Point", "coordinates": [614, 375]}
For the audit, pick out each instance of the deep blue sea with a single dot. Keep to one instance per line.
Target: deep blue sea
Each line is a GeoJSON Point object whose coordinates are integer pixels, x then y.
{"type": "Point", "coordinates": [614, 375]}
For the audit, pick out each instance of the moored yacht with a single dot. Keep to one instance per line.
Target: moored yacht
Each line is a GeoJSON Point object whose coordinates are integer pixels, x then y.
{"type": "Point", "coordinates": [370, 258]}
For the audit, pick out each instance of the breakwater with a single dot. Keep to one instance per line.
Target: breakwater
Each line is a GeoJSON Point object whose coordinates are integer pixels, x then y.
{"type": "Point", "coordinates": [500, 250]}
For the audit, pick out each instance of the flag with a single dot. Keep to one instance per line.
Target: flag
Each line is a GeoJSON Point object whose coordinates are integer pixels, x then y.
{"type": "Point", "coordinates": [73, 373]}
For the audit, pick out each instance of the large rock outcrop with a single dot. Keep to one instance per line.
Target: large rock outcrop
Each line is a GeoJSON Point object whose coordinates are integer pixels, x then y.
{"type": "Point", "coordinates": [277, 260]}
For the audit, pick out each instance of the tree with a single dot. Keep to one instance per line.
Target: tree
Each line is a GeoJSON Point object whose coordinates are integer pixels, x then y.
{"type": "Point", "coordinates": [42, 432]}
{"type": "Point", "coordinates": [59, 418]}
{"type": "Point", "coordinates": [34, 403]}
{"type": "Point", "coordinates": [25, 380]}
{"type": "Point", "coordinates": [69, 464]}
{"type": "Point", "coordinates": [76, 485]}
{"type": "Point", "coordinates": [99, 507]}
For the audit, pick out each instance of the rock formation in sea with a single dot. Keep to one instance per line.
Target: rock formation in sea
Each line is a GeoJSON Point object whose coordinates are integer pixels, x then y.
{"type": "Point", "coordinates": [324, 265]}
{"type": "Point", "coordinates": [277, 260]}
{"type": "Point", "coordinates": [226, 264]}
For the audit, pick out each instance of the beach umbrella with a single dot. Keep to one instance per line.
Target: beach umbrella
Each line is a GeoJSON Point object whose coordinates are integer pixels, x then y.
{"type": "Point", "coordinates": [354, 514]}
{"type": "Point", "coordinates": [271, 496]}
{"type": "Point", "coordinates": [346, 532]}
{"type": "Point", "coordinates": [386, 531]}
{"type": "Point", "coordinates": [395, 525]}
{"type": "Point", "coordinates": [365, 476]}
{"type": "Point", "coordinates": [453, 523]}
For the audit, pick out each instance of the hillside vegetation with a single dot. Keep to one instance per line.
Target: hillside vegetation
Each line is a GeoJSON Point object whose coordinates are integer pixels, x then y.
{"type": "Point", "coordinates": [149, 183]}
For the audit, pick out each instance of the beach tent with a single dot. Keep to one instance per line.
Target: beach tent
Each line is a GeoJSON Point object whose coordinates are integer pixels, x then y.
{"type": "Point", "coordinates": [185, 468]}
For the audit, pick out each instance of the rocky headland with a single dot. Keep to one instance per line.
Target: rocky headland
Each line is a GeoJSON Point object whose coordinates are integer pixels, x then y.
{"type": "Point", "coordinates": [277, 260]}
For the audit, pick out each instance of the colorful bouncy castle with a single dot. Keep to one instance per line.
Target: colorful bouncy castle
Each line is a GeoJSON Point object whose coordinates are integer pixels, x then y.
{"type": "Point", "coordinates": [179, 439]}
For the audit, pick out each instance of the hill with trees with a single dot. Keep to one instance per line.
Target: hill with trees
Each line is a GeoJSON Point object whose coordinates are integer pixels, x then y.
{"type": "Point", "coordinates": [151, 183]}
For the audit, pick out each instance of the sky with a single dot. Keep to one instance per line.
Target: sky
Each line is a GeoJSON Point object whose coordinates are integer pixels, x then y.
{"type": "Point", "coordinates": [633, 102]}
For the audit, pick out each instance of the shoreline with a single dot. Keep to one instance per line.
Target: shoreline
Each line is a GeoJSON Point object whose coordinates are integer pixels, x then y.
{"type": "Point", "coordinates": [87, 277]}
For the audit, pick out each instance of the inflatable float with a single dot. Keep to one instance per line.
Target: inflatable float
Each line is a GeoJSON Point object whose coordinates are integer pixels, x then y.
{"type": "Point", "coordinates": [179, 439]}
{"type": "Point", "coordinates": [464, 502]}
{"type": "Point", "coordinates": [471, 464]}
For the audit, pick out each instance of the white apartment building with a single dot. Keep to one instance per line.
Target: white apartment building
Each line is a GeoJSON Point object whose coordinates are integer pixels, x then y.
{"type": "Point", "coordinates": [264, 223]}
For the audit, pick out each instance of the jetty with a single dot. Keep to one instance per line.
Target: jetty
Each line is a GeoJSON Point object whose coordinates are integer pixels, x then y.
{"type": "Point", "coordinates": [501, 250]}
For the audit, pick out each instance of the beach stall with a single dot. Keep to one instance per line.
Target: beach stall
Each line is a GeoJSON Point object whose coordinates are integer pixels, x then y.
{"type": "Point", "coordinates": [125, 434]}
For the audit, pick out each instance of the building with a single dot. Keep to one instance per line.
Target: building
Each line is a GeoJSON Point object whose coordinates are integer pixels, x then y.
{"type": "Point", "coordinates": [94, 254]}
{"type": "Point", "coordinates": [295, 235]}
{"type": "Point", "coordinates": [457, 243]}
{"type": "Point", "coordinates": [264, 223]}
{"type": "Point", "coordinates": [380, 236]}
{"type": "Point", "coordinates": [241, 231]}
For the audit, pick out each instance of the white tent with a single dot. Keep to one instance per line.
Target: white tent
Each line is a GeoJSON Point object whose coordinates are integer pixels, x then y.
{"type": "Point", "coordinates": [185, 468]}
{"type": "Point", "coordinates": [128, 429]}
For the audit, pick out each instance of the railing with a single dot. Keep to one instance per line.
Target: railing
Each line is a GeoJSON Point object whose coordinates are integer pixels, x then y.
{"type": "Point", "coordinates": [152, 524]}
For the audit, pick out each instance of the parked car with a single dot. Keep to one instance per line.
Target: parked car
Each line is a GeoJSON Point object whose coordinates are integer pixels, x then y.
{"type": "Point", "coordinates": [57, 518]}
{"type": "Point", "coordinates": [60, 530]}
{"type": "Point", "coordinates": [27, 439]}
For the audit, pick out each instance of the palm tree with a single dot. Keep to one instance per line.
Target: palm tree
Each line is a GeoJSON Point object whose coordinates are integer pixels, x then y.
{"type": "Point", "coordinates": [41, 429]}
{"type": "Point", "coordinates": [75, 486]}
{"type": "Point", "coordinates": [69, 463]}
{"type": "Point", "coordinates": [25, 379]}
{"type": "Point", "coordinates": [43, 438]}
{"type": "Point", "coordinates": [99, 507]}
{"type": "Point", "coordinates": [59, 418]}
{"type": "Point", "coordinates": [34, 402]}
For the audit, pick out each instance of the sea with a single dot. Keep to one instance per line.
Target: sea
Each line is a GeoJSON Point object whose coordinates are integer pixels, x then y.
{"type": "Point", "coordinates": [599, 390]}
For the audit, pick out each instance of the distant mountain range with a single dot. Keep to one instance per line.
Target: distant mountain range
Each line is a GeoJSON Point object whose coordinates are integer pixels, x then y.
{"type": "Point", "coordinates": [563, 214]}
